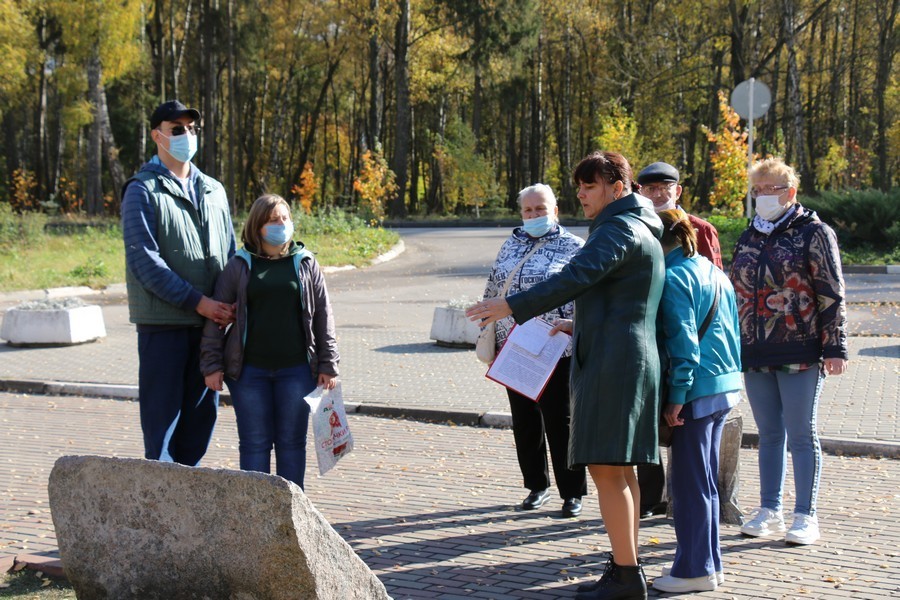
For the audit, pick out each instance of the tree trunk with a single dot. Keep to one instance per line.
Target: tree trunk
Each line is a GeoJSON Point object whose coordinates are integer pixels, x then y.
{"type": "Point", "coordinates": [886, 12]}
{"type": "Point", "coordinates": [231, 105]}
{"type": "Point", "coordinates": [93, 196]}
{"type": "Point", "coordinates": [536, 137]}
{"type": "Point", "coordinates": [111, 151]}
{"type": "Point", "coordinates": [402, 136]}
{"type": "Point", "coordinates": [40, 118]}
{"type": "Point", "coordinates": [210, 63]}
{"type": "Point", "coordinates": [158, 44]}
{"type": "Point", "coordinates": [376, 94]}
{"type": "Point", "coordinates": [807, 179]}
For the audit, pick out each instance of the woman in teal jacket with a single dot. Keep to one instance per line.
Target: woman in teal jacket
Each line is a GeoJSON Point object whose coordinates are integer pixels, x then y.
{"type": "Point", "coordinates": [703, 348]}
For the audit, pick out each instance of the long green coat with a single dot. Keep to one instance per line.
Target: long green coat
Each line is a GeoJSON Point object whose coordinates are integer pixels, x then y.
{"type": "Point", "coordinates": [616, 281]}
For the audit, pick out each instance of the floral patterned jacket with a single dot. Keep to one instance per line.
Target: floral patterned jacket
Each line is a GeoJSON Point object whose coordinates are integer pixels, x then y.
{"type": "Point", "coordinates": [559, 246]}
{"type": "Point", "coordinates": [790, 293]}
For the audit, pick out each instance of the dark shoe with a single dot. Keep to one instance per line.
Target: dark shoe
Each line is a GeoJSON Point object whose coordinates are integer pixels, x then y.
{"type": "Point", "coordinates": [571, 508]}
{"type": "Point", "coordinates": [618, 583]}
{"type": "Point", "coordinates": [593, 585]}
{"type": "Point", "coordinates": [535, 499]}
{"type": "Point", "coordinates": [656, 509]}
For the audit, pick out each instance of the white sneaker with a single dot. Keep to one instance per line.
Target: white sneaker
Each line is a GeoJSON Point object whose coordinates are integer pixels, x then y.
{"type": "Point", "coordinates": [667, 583]}
{"type": "Point", "coordinates": [764, 522]}
{"type": "Point", "coordinates": [804, 530]}
{"type": "Point", "coordinates": [720, 575]}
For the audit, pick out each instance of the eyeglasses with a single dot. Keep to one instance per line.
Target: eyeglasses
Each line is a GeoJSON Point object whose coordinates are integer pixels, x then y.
{"type": "Point", "coordinates": [656, 188]}
{"type": "Point", "coordinates": [181, 129]}
{"type": "Point", "coordinates": [768, 190]}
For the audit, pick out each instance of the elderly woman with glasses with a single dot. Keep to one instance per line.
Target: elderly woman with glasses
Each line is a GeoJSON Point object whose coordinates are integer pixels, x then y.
{"type": "Point", "coordinates": [790, 296]}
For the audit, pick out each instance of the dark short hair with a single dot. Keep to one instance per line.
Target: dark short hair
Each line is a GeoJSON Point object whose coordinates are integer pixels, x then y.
{"type": "Point", "coordinates": [609, 167]}
{"type": "Point", "coordinates": [259, 215]}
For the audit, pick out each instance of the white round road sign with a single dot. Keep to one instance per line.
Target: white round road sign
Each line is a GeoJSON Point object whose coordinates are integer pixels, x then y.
{"type": "Point", "coordinates": [741, 98]}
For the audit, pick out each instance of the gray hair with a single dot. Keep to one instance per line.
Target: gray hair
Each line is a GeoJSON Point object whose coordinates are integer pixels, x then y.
{"type": "Point", "coordinates": [542, 189]}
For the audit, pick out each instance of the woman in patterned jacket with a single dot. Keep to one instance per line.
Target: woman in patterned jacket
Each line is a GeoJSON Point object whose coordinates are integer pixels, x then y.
{"type": "Point", "coordinates": [535, 424]}
{"type": "Point", "coordinates": [790, 295]}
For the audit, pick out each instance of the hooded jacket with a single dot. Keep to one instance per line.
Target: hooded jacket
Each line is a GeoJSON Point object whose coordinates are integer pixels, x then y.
{"type": "Point", "coordinates": [224, 351]}
{"type": "Point", "coordinates": [790, 293]}
{"type": "Point", "coordinates": [616, 281]}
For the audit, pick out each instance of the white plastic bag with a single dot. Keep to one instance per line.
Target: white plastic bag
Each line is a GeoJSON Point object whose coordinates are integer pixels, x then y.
{"type": "Point", "coordinates": [330, 428]}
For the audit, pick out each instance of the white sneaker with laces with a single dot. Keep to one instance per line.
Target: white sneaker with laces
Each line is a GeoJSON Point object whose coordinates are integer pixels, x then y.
{"type": "Point", "coordinates": [764, 521]}
{"type": "Point", "coordinates": [667, 570]}
{"type": "Point", "coordinates": [667, 583]}
{"type": "Point", "coordinates": [804, 530]}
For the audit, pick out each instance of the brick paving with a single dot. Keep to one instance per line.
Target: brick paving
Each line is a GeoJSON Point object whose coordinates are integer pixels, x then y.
{"type": "Point", "coordinates": [431, 509]}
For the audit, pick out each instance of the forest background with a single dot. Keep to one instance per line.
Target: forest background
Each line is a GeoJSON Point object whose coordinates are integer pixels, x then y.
{"type": "Point", "coordinates": [401, 108]}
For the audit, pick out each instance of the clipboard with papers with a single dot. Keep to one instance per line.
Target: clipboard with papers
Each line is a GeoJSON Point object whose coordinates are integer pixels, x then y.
{"type": "Point", "coordinates": [528, 358]}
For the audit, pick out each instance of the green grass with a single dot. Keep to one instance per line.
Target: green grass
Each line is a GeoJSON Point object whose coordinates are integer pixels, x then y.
{"type": "Point", "coordinates": [31, 258]}
{"type": "Point", "coordinates": [32, 585]}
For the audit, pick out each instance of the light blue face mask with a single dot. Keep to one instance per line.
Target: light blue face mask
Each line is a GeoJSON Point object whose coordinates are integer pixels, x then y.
{"type": "Point", "coordinates": [278, 234]}
{"type": "Point", "coordinates": [181, 147]}
{"type": "Point", "coordinates": [538, 226]}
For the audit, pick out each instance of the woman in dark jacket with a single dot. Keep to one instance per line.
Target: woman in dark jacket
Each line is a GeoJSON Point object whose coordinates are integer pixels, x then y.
{"type": "Point", "coordinates": [790, 295]}
{"type": "Point", "coordinates": [281, 346]}
{"type": "Point", "coordinates": [616, 281]}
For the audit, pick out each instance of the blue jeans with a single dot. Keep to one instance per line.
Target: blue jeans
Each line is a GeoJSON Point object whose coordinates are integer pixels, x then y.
{"type": "Point", "coordinates": [695, 493]}
{"type": "Point", "coordinates": [178, 411]}
{"type": "Point", "coordinates": [271, 412]}
{"type": "Point", "coordinates": [784, 408]}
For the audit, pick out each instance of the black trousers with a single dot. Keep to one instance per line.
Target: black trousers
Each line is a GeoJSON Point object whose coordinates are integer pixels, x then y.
{"type": "Point", "coordinates": [652, 482]}
{"type": "Point", "coordinates": [539, 424]}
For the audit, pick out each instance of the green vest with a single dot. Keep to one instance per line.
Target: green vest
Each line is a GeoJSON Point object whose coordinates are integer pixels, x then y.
{"type": "Point", "coordinates": [193, 243]}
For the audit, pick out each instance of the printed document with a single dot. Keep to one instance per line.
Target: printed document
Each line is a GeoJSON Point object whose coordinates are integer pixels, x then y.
{"type": "Point", "coordinates": [528, 358]}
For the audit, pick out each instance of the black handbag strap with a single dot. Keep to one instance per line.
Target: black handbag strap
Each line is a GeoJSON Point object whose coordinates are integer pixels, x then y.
{"type": "Point", "coordinates": [709, 315]}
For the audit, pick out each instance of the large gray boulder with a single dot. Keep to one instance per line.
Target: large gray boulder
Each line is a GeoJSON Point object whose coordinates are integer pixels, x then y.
{"type": "Point", "coordinates": [131, 528]}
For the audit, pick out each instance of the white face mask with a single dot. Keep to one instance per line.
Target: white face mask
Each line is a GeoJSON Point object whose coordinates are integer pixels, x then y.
{"type": "Point", "coordinates": [769, 207]}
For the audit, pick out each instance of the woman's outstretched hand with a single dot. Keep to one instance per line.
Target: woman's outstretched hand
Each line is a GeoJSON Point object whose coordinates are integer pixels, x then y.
{"type": "Point", "coordinates": [488, 311]}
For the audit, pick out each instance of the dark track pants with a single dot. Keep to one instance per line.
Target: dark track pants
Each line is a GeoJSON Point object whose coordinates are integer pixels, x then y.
{"type": "Point", "coordinates": [178, 411]}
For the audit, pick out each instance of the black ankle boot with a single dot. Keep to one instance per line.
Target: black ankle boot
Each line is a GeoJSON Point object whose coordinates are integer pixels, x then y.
{"type": "Point", "coordinates": [607, 571]}
{"type": "Point", "coordinates": [619, 583]}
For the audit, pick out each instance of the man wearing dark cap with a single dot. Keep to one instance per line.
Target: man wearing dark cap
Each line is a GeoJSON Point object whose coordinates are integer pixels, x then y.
{"type": "Point", "coordinates": [659, 183]}
{"type": "Point", "coordinates": [178, 237]}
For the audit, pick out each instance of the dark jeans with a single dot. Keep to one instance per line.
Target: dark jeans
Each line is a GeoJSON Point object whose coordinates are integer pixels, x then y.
{"type": "Point", "coordinates": [271, 412]}
{"type": "Point", "coordinates": [178, 411]}
{"type": "Point", "coordinates": [535, 424]}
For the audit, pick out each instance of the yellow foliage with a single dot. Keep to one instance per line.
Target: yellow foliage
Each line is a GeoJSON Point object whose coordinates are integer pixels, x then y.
{"type": "Point", "coordinates": [16, 37]}
{"type": "Point", "coordinates": [305, 191]}
{"type": "Point", "coordinates": [729, 162]}
{"type": "Point", "coordinates": [376, 183]}
{"type": "Point", "coordinates": [619, 133]}
{"type": "Point", "coordinates": [22, 197]}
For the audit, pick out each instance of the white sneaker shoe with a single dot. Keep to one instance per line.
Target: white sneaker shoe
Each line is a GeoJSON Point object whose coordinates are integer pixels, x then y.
{"type": "Point", "coordinates": [667, 583]}
{"type": "Point", "coordinates": [764, 522]}
{"type": "Point", "coordinates": [804, 530]}
{"type": "Point", "coordinates": [720, 575]}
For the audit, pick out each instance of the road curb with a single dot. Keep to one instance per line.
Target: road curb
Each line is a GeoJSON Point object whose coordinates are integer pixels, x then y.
{"type": "Point", "coordinates": [497, 420]}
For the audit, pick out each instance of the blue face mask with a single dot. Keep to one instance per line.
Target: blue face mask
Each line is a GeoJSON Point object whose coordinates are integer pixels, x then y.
{"type": "Point", "coordinates": [181, 147]}
{"type": "Point", "coordinates": [538, 226]}
{"type": "Point", "coordinates": [278, 234]}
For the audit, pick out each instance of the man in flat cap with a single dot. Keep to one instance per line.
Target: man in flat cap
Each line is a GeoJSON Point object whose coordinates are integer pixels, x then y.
{"type": "Point", "coordinates": [659, 183]}
{"type": "Point", "coordinates": [178, 237]}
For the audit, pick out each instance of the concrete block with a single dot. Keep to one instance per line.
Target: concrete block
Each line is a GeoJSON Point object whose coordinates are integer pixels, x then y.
{"type": "Point", "coordinates": [65, 326]}
{"type": "Point", "coordinates": [450, 327]}
{"type": "Point", "coordinates": [130, 528]}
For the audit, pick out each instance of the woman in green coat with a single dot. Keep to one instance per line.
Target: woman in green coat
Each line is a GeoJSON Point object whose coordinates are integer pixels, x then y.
{"type": "Point", "coordinates": [616, 281]}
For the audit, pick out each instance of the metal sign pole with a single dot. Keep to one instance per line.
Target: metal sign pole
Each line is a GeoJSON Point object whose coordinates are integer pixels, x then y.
{"type": "Point", "coordinates": [750, 150]}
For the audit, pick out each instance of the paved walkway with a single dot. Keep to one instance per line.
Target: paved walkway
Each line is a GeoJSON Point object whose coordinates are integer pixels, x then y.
{"type": "Point", "coordinates": [430, 507]}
